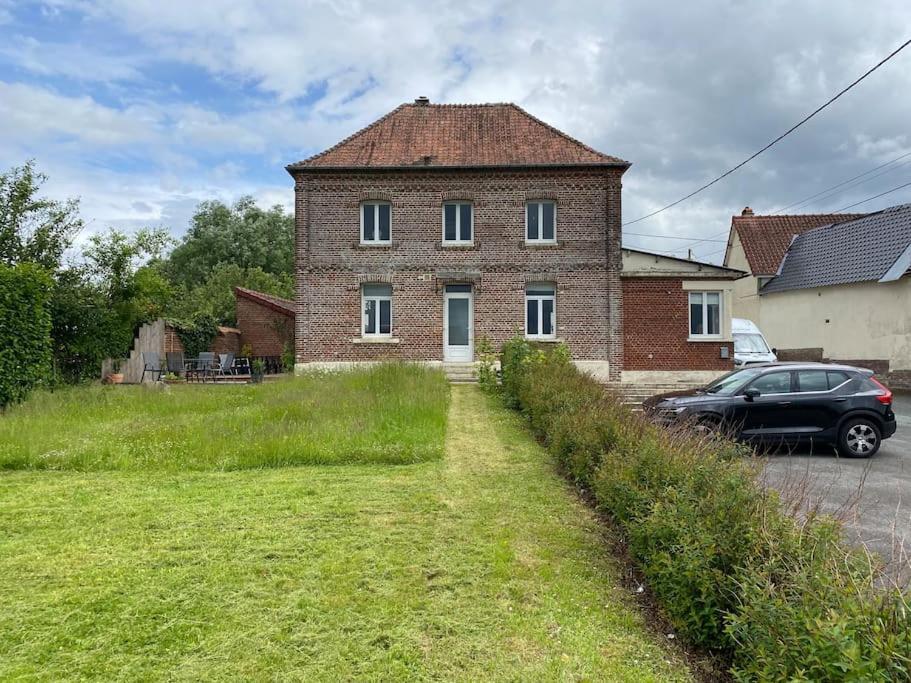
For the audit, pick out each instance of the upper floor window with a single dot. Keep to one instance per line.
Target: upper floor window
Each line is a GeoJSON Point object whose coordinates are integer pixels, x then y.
{"type": "Point", "coordinates": [540, 310]}
{"type": "Point", "coordinates": [705, 315]}
{"type": "Point", "coordinates": [376, 223]}
{"type": "Point", "coordinates": [377, 310]}
{"type": "Point", "coordinates": [541, 222]}
{"type": "Point", "coordinates": [457, 223]}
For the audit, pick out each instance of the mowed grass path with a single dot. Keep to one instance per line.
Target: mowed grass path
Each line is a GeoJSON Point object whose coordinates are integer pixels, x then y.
{"type": "Point", "coordinates": [481, 566]}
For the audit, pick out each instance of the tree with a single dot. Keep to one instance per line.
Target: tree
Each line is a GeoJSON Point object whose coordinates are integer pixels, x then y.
{"type": "Point", "coordinates": [215, 296]}
{"type": "Point", "coordinates": [242, 234]}
{"type": "Point", "coordinates": [34, 229]}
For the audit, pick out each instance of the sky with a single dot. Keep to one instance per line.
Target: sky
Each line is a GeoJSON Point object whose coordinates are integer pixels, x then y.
{"type": "Point", "coordinates": [143, 108]}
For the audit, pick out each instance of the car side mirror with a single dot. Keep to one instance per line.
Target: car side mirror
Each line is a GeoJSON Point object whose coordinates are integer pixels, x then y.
{"type": "Point", "coordinates": [750, 394]}
{"type": "Point", "coordinates": [774, 350]}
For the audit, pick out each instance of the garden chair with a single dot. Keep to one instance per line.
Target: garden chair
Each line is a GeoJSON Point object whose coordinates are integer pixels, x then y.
{"type": "Point", "coordinates": [175, 363]}
{"type": "Point", "coordinates": [151, 363]}
{"type": "Point", "coordinates": [202, 368]}
{"type": "Point", "coordinates": [225, 365]}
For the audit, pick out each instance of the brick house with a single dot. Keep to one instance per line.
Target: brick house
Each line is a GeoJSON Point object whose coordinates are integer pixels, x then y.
{"type": "Point", "coordinates": [438, 225]}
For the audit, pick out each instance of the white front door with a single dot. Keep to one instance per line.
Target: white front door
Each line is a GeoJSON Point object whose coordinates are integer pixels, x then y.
{"type": "Point", "coordinates": [458, 324]}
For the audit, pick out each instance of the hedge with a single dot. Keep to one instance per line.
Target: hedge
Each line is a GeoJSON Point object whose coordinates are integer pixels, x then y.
{"type": "Point", "coordinates": [781, 599]}
{"type": "Point", "coordinates": [25, 330]}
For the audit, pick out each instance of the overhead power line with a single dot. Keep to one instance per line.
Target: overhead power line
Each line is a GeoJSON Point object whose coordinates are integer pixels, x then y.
{"type": "Point", "coordinates": [671, 237]}
{"type": "Point", "coordinates": [869, 199]}
{"type": "Point", "coordinates": [778, 139]}
{"type": "Point", "coordinates": [826, 191]}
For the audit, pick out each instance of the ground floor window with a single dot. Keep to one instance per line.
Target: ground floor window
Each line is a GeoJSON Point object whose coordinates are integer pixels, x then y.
{"type": "Point", "coordinates": [705, 314]}
{"type": "Point", "coordinates": [377, 310]}
{"type": "Point", "coordinates": [540, 310]}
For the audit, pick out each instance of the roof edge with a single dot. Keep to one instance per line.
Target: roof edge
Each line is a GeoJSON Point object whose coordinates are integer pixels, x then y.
{"type": "Point", "coordinates": [292, 169]}
{"type": "Point", "coordinates": [261, 299]}
{"type": "Point", "coordinates": [731, 271]}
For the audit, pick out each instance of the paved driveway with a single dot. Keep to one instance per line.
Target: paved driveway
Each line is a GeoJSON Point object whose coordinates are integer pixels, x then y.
{"type": "Point", "coordinates": [872, 497]}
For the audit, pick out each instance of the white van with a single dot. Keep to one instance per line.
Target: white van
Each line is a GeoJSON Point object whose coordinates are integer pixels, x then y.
{"type": "Point", "coordinates": [750, 347]}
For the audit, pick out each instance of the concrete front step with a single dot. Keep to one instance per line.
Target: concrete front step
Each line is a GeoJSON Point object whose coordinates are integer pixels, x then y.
{"type": "Point", "coordinates": [461, 373]}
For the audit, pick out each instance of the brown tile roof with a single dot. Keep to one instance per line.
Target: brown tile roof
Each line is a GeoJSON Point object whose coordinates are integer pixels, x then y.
{"type": "Point", "coordinates": [457, 135]}
{"type": "Point", "coordinates": [765, 239]}
{"type": "Point", "coordinates": [276, 303]}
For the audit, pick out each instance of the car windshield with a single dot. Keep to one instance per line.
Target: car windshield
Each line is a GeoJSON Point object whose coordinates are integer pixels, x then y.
{"type": "Point", "coordinates": [727, 384]}
{"type": "Point", "coordinates": [750, 343]}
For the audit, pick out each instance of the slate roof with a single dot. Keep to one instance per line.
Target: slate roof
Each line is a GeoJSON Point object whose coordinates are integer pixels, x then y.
{"type": "Point", "coordinates": [765, 239]}
{"type": "Point", "coordinates": [276, 303]}
{"type": "Point", "coordinates": [872, 248]}
{"type": "Point", "coordinates": [420, 134]}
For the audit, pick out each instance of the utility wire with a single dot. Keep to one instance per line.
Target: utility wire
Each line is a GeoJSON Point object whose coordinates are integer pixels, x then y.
{"type": "Point", "coordinates": [776, 140]}
{"type": "Point", "coordinates": [803, 201]}
{"type": "Point", "coordinates": [670, 237]}
{"type": "Point", "coordinates": [876, 196]}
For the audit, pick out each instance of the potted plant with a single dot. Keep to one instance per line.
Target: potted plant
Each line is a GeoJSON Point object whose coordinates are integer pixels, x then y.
{"type": "Point", "coordinates": [171, 378]}
{"type": "Point", "coordinates": [115, 376]}
{"type": "Point", "coordinates": [257, 370]}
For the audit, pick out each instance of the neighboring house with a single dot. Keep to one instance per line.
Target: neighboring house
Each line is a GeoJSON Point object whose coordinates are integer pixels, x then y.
{"type": "Point", "coordinates": [266, 322]}
{"type": "Point", "coordinates": [438, 225]}
{"type": "Point", "coordinates": [676, 318]}
{"type": "Point", "coordinates": [843, 292]}
{"type": "Point", "coordinates": [756, 245]}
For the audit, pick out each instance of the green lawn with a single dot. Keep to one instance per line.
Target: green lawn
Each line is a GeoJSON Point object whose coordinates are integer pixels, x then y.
{"type": "Point", "coordinates": [481, 565]}
{"type": "Point", "coordinates": [391, 414]}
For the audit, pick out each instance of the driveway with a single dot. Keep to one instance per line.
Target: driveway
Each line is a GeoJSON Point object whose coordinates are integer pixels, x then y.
{"type": "Point", "coordinates": [872, 497]}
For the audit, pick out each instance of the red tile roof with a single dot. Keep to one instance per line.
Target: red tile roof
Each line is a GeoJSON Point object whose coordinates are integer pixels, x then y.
{"type": "Point", "coordinates": [765, 239]}
{"type": "Point", "coordinates": [457, 135]}
{"type": "Point", "coordinates": [276, 303]}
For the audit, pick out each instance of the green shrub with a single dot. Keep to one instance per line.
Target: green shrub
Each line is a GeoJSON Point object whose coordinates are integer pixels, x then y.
{"type": "Point", "coordinates": [735, 574]}
{"type": "Point", "coordinates": [25, 330]}
{"type": "Point", "coordinates": [487, 371]}
{"type": "Point", "coordinates": [196, 335]}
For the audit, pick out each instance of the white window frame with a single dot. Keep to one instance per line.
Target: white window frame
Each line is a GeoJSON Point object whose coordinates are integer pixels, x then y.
{"type": "Point", "coordinates": [458, 241]}
{"type": "Point", "coordinates": [540, 203]}
{"type": "Point", "coordinates": [705, 314]}
{"type": "Point", "coordinates": [365, 333]}
{"type": "Point", "coordinates": [539, 298]}
{"type": "Point", "coordinates": [375, 203]}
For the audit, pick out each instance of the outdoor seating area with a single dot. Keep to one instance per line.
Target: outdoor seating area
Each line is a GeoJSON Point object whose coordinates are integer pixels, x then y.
{"type": "Point", "coordinates": [208, 366]}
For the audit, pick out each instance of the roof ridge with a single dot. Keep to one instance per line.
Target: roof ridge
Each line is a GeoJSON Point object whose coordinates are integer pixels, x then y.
{"type": "Point", "coordinates": [348, 139]}
{"type": "Point", "coordinates": [566, 136]}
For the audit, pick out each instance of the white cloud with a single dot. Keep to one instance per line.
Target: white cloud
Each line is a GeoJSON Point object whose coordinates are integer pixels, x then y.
{"type": "Point", "coordinates": [683, 91]}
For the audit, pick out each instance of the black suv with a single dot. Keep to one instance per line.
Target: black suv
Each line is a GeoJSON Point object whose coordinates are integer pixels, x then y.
{"type": "Point", "coordinates": [784, 403]}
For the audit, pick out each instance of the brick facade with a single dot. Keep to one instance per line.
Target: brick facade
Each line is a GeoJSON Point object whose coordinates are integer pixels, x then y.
{"type": "Point", "coordinates": [331, 264]}
{"type": "Point", "coordinates": [656, 328]}
{"type": "Point", "coordinates": [266, 329]}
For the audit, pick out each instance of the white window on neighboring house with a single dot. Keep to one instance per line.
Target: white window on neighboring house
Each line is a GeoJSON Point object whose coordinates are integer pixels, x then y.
{"type": "Point", "coordinates": [376, 310]}
{"type": "Point", "coordinates": [705, 315]}
{"type": "Point", "coordinates": [541, 222]}
{"type": "Point", "coordinates": [457, 223]}
{"type": "Point", "coordinates": [540, 310]}
{"type": "Point", "coordinates": [376, 223]}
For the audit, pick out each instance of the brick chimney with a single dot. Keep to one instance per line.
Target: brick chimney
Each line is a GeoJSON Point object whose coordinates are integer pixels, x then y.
{"type": "Point", "coordinates": [747, 211]}
{"type": "Point", "coordinates": [422, 101]}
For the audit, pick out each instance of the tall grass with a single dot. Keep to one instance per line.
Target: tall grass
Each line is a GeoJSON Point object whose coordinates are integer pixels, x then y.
{"type": "Point", "coordinates": [390, 414]}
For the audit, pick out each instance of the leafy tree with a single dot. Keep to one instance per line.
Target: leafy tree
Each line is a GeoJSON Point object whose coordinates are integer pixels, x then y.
{"type": "Point", "coordinates": [242, 234]}
{"type": "Point", "coordinates": [215, 296]}
{"type": "Point", "coordinates": [85, 329]}
{"type": "Point", "coordinates": [34, 229]}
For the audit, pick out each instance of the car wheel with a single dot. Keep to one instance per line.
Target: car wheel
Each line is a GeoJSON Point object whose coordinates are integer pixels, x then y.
{"type": "Point", "coordinates": [859, 438]}
{"type": "Point", "coordinates": [708, 427]}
